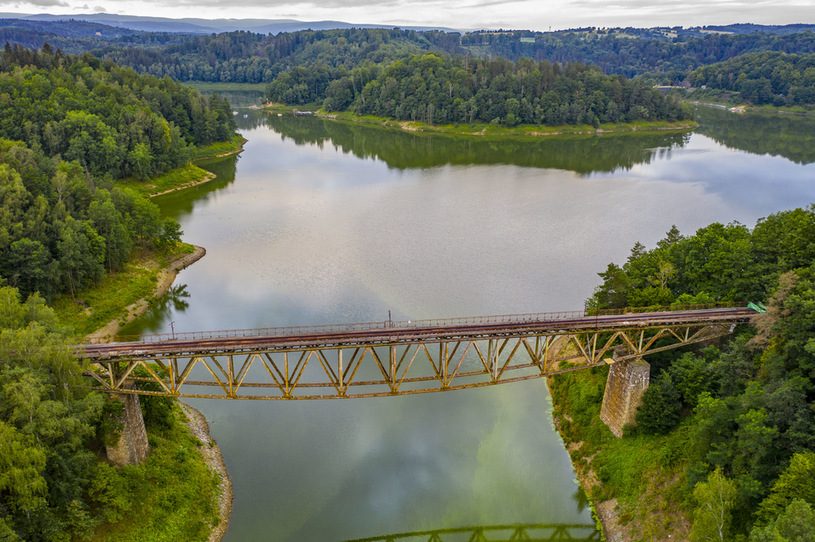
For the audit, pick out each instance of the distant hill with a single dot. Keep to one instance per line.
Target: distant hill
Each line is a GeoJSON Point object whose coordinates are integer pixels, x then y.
{"type": "Point", "coordinates": [769, 29]}
{"type": "Point", "coordinates": [71, 28]}
{"type": "Point", "coordinates": [193, 25]}
{"type": "Point", "coordinates": [208, 26]}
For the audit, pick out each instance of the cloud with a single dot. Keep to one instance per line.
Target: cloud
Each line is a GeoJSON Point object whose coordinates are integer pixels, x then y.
{"type": "Point", "coordinates": [35, 3]}
{"type": "Point", "coordinates": [303, 7]}
{"type": "Point", "coordinates": [471, 14]}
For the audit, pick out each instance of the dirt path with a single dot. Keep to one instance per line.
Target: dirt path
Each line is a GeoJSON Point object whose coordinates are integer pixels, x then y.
{"type": "Point", "coordinates": [200, 428]}
{"type": "Point", "coordinates": [165, 279]}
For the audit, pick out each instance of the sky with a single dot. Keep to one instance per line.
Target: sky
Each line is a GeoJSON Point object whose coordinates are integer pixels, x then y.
{"type": "Point", "coordinates": [541, 15]}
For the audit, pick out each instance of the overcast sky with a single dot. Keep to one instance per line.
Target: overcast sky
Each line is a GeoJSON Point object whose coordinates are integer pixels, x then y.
{"type": "Point", "coordinates": [461, 14]}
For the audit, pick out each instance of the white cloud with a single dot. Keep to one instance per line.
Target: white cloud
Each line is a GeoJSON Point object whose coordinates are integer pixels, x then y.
{"type": "Point", "coordinates": [463, 14]}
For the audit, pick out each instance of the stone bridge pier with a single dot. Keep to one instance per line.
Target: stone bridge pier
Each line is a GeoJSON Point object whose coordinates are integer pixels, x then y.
{"type": "Point", "coordinates": [132, 447]}
{"type": "Point", "coordinates": [627, 381]}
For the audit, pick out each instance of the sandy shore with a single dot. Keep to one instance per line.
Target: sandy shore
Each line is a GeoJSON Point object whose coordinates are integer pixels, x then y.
{"type": "Point", "coordinates": [165, 281]}
{"type": "Point", "coordinates": [200, 428]}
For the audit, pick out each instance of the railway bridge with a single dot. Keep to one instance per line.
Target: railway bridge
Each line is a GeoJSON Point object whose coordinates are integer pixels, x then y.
{"type": "Point", "coordinates": [389, 358]}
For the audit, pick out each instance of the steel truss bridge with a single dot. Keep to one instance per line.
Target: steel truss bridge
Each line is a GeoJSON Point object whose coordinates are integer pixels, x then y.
{"type": "Point", "coordinates": [536, 532]}
{"type": "Point", "coordinates": [394, 357]}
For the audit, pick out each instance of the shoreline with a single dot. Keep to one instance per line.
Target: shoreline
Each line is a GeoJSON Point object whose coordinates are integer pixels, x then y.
{"type": "Point", "coordinates": [199, 427]}
{"type": "Point", "coordinates": [164, 281]}
{"type": "Point", "coordinates": [206, 178]}
{"type": "Point", "coordinates": [484, 130]}
{"type": "Point", "coordinates": [487, 130]}
{"type": "Point", "coordinates": [606, 511]}
{"type": "Point", "coordinates": [196, 421]}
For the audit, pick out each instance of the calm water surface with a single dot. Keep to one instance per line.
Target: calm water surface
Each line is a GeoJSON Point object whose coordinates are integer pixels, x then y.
{"type": "Point", "coordinates": [320, 222]}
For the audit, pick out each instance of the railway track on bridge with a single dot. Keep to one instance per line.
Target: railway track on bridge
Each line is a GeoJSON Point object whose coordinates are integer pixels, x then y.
{"type": "Point", "coordinates": [393, 357]}
{"type": "Point", "coordinates": [338, 335]}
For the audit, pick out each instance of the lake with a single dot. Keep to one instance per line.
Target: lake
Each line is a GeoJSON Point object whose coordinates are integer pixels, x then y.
{"type": "Point", "coordinates": [324, 222]}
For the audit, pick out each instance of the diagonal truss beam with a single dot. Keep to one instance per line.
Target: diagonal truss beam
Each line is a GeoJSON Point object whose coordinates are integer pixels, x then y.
{"type": "Point", "coordinates": [387, 366]}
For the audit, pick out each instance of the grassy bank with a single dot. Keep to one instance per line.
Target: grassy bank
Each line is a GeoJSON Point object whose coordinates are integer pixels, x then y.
{"type": "Point", "coordinates": [637, 482]}
{"type": "Point", "coordinates": [495, 130]}
{"type": "Point", "coordinates": [108, 300]}
{"type": "Point", "coordinates": [172, 496]}
{"type": "Point", "coordinates": [189, 174]}
{"type": "Point", "coordinates": [222, 148]}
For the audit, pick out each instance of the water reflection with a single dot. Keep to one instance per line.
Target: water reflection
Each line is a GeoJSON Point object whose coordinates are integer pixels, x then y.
{"type": "Point", "coordinates": [160, 311]}
{"type": "Point", "coordinates": [182, 203]}
{"type": "Point", "coordinates": [402, 150]}
{"type": "Point", "coordinates": [789, 136]}
{"type": "Point", "coordinates": [534, 531]}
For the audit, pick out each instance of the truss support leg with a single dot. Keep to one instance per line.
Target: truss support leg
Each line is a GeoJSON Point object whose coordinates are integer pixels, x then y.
{"type": "Point", "coordinates": [627, 381]}
{"type": "Point", "coordinates": [132, 447]}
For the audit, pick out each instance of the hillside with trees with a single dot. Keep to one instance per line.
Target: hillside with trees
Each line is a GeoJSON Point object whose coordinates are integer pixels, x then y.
{"type": "Point", "coordinates": [53, 429]}
{"type": "Point", "coordinates": [70, 128]}
{"type": "Point", "coordinates": [249, 57]}
{"type": "Point", "coordinates": [246, 57]}
{"type": "Point", "coordinates": [725, 435]}
{"type": "Point", "coordinates": [439, 90]}
{"type": "Point", "coordinates": [630, 52]}
{"type": "Point", "coordinates": [768, 78]}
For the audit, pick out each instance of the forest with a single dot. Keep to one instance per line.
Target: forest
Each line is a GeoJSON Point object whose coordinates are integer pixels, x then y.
{"type": "Point", "coordinates": [70, 128]}
{"type": "Point", "coordinates": [53, 429]}
{"type": "Point", "coordinates": [727, 431]}
{"type": "Point", "coordinates": [246, 57]}
{"type": "Point", "coordinates": [768, 78]}
{"type": "Point", "coordinates": [734, 419]}
{"type": "Point", "coordinates": [440, 90]}
{"type": "Point", "coordinates": [633, 52]}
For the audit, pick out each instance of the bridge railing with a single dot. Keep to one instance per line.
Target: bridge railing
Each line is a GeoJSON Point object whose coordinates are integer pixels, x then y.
{"type": "Point", "coordinates": [406, 324]}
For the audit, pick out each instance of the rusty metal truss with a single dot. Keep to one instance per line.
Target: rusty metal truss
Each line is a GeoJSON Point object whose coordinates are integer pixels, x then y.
{"type": "Point", "coordinates": [394, 358]}
{"type": "Point", "coordinates": [537, 532]}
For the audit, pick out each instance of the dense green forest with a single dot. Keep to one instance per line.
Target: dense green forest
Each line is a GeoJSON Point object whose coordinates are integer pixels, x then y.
{"type": "Point", "coordinates": [53, 487]}
{"type": "Point", "coordinates": [774, 78]}
{"type": "Point", "coordinates": [253, 58]}
{"type": "Point", "coordinates": [247, 57]}
{"type": "Point", "coordinates": [69, 128]}
{"type": "Point", "coordinates": [732, 426]}
{"type": "Point", "coordinates": [439, 90]}
{"type": "Point", "coordinates": [109, 119]}
{"type": "Point", "coordinates": [630, 52]}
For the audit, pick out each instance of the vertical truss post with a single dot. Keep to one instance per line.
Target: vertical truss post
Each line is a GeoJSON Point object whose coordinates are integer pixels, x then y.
{"type": "Point", "coordinates": [392, 367]}
{"type": "Point", "coordinates": [443, 361]}
{"type": "Point", "coordinates": [492, 354]}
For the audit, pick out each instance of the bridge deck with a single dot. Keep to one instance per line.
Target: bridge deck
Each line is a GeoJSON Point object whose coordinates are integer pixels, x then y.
{"type": "Point", "coordinates": [393, 358]}
{"type": "Point", "coordinates": [389, 332]}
